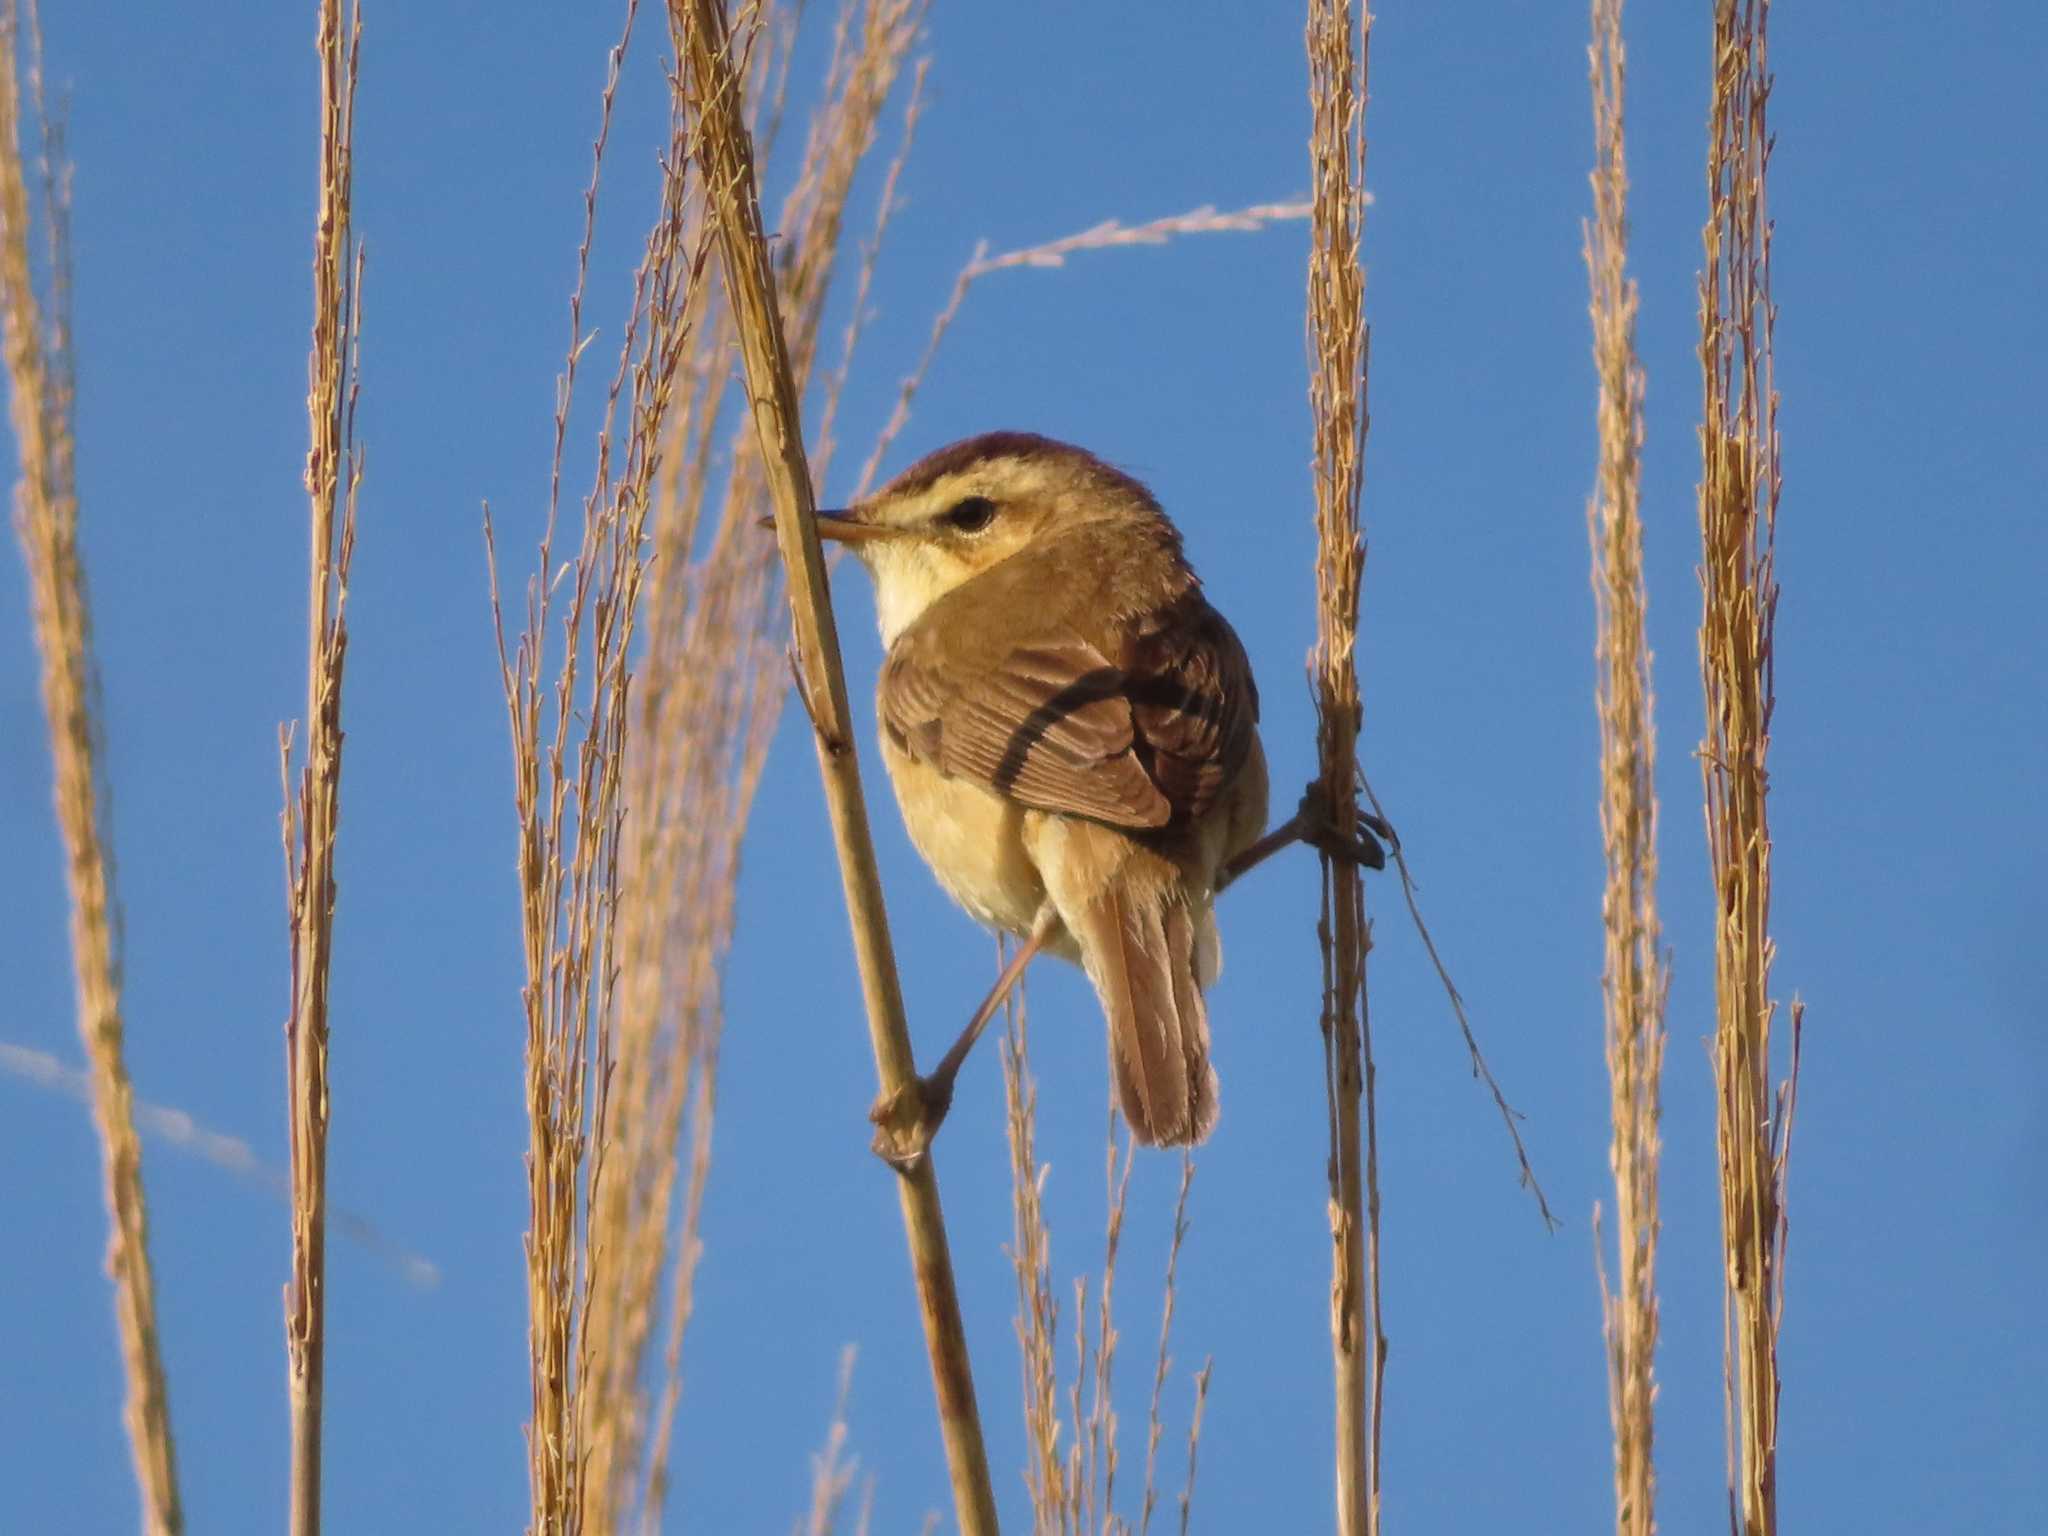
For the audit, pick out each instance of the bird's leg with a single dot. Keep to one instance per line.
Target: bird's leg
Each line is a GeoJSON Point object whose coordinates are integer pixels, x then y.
{"type": "Point", "coordinates": [1313, 823]}
{"type": "Point", "coordinates": [906, 1120]}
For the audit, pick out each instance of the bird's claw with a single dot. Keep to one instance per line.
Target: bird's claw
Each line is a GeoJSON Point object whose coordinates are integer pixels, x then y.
{"type": "Point", "coordinates": [1319, 829]}
{"type": "Point", "coordinates": [906, 1120]}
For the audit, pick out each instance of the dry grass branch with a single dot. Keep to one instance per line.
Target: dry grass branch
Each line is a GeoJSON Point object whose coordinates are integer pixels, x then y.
{"type": "Point", "coordinates": [708, 691]}
{"type": "Point", "coordinates": [1071, 1476]}
{"type": "Point", "coordinates": [727, 156]}
{"type": "Point", "coordinates": [1110, 234]}
{"type": "Point", "coordinates": [1739, 490]}
{"type": "Point", "coordinates": [1635, 978]}
{"type": "Point", "coordinates": [832, 1468]}
{"type": "Point", "coordinates": [1339, 359]}
{"type": "Point", "coordinates": [40, 399]}
{"type": "Point", "coordinates": [1510, 1117]}
{"type": "Point", "coordinates": [334, 468]}
{"type": "Point", "coordinates": [571, 723]}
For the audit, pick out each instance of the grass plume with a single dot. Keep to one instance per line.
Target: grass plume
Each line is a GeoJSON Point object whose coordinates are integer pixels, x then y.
{"type": "Point", "coordinates": [1339, 360]}
{"type": "Point", "coordinates": [726, 148]}
{"type": "Point", "coordinates": [334, 468]}
{"type": "Point", "coordinates": [41, 398]}
{"type": "Point", "coordinates": [1739, 488]}
{"type": "Point", "coordinates": [1634, 980]}
{"type": "Point", "coordinates": [709, 683]}
{"type": "Point", "coordinates": [570, 722]}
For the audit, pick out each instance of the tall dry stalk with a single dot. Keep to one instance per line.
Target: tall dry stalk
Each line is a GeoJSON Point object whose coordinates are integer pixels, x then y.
{"type": "Point", "coordinates": [334, 468]}
{"type": "Point", "coordinates": [1339, 359]}
{"type": "Point", "coordinates": [41, 400]}
{"type": "Point", "coordinates": [708, 689]}
{"type": "Point", "coordinates": [1634, 980]}
{"type": "Point", "coordinates": [727, 153]}
{"type": "Point", "coordinates": [1739, 488]}
{"type": "Point", "coordinates": [570, 735]}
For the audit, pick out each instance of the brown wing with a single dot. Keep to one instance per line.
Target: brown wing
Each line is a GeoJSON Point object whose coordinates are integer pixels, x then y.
{"type": "Point", "coordinates": [1143, 741]}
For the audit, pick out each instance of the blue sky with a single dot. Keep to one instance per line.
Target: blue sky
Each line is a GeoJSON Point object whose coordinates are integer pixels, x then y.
{"type": "Point", "coordinates": [1906, 770]}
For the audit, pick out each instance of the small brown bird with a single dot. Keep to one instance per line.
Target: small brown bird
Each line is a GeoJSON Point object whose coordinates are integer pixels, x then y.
{"type": "Point", "coordinates": [1072, 733]}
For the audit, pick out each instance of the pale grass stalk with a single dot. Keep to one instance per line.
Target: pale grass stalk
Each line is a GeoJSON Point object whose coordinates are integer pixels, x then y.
{"type": "Point", "coordinates": [1110, 234]}
{"type": "Point", "coordinates": [334, 469]}
{"type": "Point", "coordinates": [570, 737]}
{"type": "Point", "coordinates": [1739, 487]}
{"type": "Point", "coordinates": [832, 1469]}
{"type": "Point", "coordinates": [1045, 1472]}
{"type": "Point", "coordinates": [708, 689]}
{"type": "Point", "coordinates": [1187, 1492]}
{"type": "Point", "coordinates": [1339, 352]}
{"type": "Point", "coordinates": [1155, 1425]}
{"type": "Point", "coordinates": [726, 152]}
{"type": "Point", "coordinates": [1634, 980]}
{"type": "Point", "coordinates": [1073, 1490]}
{"type": "Point", "coordinates": [41, 399]}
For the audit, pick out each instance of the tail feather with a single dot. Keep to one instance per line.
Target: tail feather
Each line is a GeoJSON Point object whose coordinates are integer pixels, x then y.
{"type": "Point", "coordinates": [1142, 951]}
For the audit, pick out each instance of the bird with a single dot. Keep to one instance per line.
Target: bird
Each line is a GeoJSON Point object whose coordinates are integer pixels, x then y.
{"type": "Point", "coordinates": [1071, 731]}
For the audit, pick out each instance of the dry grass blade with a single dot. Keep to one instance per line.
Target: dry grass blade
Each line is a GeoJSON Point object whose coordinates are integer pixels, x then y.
{"type": "Point", "coordinates": [1635, 978]}
{"type": "Point", "coordinates": [1739, 489]}
{"type": "Point", "coordinates": [726, 151]}
{"type": "Point", "coordinates": [46, 519]}
{"type": "Point", "coordinates": [1111, 234]}
{"type": "Point", "coordinates": [1339, 353]}
{"type": "Point", "coordinates": [334, 468]}
{"type": "Point", "coordinates": [570, 727]}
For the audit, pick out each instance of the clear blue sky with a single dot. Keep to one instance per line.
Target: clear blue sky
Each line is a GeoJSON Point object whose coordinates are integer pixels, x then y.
{"type": "Point", "coordinates": [1907, 800]}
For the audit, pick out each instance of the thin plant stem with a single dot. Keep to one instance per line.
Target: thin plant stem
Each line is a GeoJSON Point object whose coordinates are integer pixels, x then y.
{"type": "Point", "coordinates": [40, 400]}
{"type": "Point", "coordinates": [334, 468]}
{"type": "Point", "coordinates": [726, 153]}
{"type": "Point", "coordinates": [1339, 360]}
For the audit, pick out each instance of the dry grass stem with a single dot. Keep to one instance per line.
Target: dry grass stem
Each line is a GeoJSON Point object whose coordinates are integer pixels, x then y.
{"type": "Point", "coordinates": [571, 720]}
{"type": "Point", "coordinates": [41, 397]}
{"type": "Point", "coordinates": [1339, 359]}
{"type": "Point", "coordinates": [1635, 979]}
{"type": "Point", "coordinates": [1108, 235]}
{"type": "Point", "coordinates": [708, 689]}
{"type": "Point", "coordinates": [334, 468]}
{"type": "Point", "coordinates": [1739, 489]}
{"type": "Point", "coordinates": [1510, 1117]}
{"type": "Point", "coordinates": [726, 153]}
{"type": "Point", "coordinates": [1071, 1477]}
{"type": "Point", "coordinates": [832, 1468]}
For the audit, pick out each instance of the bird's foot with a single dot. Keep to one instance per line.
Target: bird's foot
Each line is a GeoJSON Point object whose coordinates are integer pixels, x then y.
{"type": "Point", "coordinates": [1319, 829]}
{"type": "Point", "coordinates": [905, 1121]}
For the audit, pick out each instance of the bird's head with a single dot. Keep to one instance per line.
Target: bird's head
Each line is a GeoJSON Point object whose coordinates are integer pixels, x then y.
{"type": "Point", "coordinates": [969, 506]}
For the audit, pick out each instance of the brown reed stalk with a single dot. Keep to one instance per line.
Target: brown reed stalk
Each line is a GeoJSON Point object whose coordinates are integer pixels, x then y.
{"type": "Point", "coordinates": [1739, 488]}
{"type": "Point", "coordinates": [570, 766]}
{"type": "Point", "coordinates": [41, 400]}
{"type": "Point", "coordinates": [1634, 980]}
{"type": "Point", "coordinates": [1339, 359]}
{"type": "Point", "coordinates": [726, 153]}
{"type": "Point", "coordinates": [708, 691]}
{"type": "Point", "coordinates": [334, 468]}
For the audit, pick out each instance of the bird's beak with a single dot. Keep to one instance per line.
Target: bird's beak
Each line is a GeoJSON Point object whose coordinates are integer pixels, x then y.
{"type": "Point", "coordinates": [843, 527]}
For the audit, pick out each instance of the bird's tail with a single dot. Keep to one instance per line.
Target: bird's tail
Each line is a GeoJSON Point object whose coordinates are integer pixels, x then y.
{"type": "Point", "coordinates": [1148, 950]}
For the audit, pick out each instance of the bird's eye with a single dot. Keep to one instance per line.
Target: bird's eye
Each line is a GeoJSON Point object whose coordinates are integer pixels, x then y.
{"type": "Point", "coordinates": [970, 515]}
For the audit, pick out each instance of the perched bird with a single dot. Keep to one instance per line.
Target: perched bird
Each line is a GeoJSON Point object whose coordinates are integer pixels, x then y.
{"type": "Point", "coordinates": [1072, 734]}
